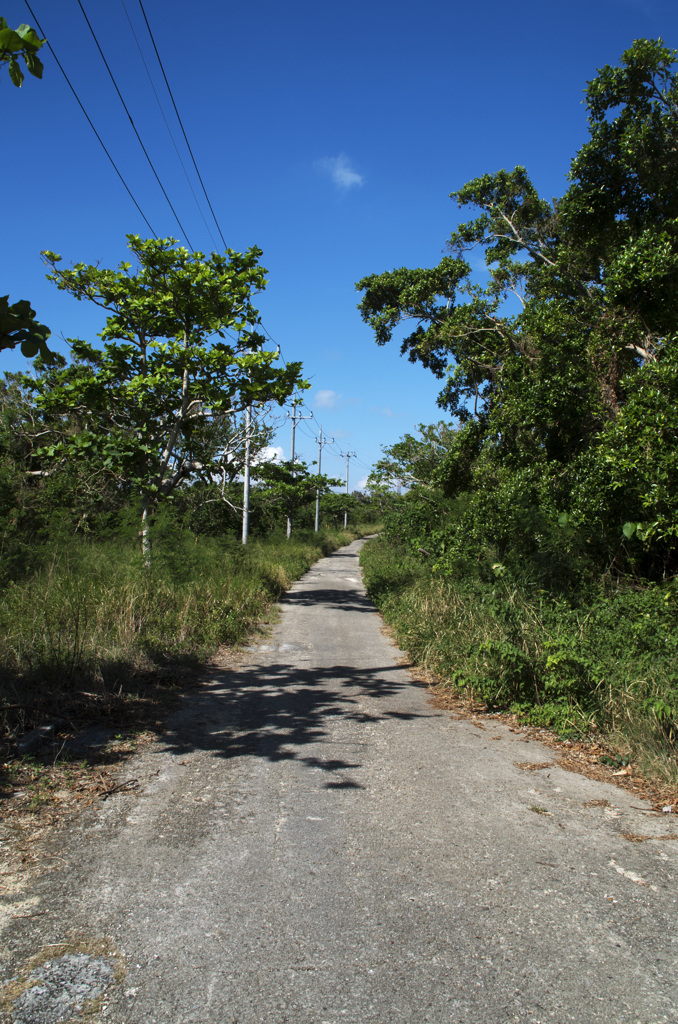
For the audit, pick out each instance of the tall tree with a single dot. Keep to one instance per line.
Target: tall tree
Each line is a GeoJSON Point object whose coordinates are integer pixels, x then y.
{"type": "Point", "coordinates": [148, 404]}
{"type": "Point", "coordinates": [548, 379]}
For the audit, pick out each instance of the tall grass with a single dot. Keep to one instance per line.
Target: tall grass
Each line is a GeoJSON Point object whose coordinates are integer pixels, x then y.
{"type": "Point", "coordinates": [92, 617]}
{"type": "Point", "coordinates": [605, 662]}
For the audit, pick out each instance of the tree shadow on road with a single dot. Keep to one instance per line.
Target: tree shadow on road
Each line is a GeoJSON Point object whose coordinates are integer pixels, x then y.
{"type": "Point", "coordinates": [274, 712]}
{"type": "Point", "coordinates": [330, 597]}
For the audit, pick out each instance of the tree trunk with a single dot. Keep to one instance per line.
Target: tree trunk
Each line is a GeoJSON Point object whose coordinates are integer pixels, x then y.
{"type": "Point", "coordinates": [146, 517]}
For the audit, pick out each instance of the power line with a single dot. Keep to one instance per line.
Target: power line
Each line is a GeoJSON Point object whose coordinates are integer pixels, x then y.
{"type": "Point", "coordinates": [134, 127]}
{"type": "Point", "coordinates": [169, 130]}
{"type": "Point", "coordinates": [89, 120]}
{"type": "Point", "coordinates": [181, 124]}
{"type": "Point", "coordinates": [305, 430]}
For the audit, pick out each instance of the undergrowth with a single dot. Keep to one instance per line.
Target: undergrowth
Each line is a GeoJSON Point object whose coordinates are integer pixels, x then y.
{"type": "Point", "coordinates": [92, 620]}
{"type": "Point", "coordinates": [604, 662]}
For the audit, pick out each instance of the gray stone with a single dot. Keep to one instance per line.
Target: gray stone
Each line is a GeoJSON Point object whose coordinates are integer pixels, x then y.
{"type": "Point", "coordinates": [89, 739]}
{"type": "Point", "coordinates": [62, 987]}
{"type": "Point", "coordinates": [34, 739]}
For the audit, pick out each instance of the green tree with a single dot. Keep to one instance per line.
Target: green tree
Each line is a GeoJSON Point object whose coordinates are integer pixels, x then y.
{"type": "Point", "coordinates": [285, 489]}
{"type": "Point", "coordinates": [148, 405]}
{"type": "Point", "coordinates": [548, 385]}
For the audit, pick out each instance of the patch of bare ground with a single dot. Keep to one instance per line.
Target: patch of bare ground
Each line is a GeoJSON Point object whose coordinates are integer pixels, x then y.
{"type": "Point", "coordinates": [63, 772]}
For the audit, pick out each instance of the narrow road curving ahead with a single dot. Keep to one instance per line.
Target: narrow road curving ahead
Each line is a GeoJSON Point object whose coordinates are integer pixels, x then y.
{"type": "Point", "coordinates": [314, 843]}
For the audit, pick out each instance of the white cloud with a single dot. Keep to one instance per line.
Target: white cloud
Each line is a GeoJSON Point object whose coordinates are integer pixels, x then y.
{"type": "Point", "coordinates": [383, 411]}
{"type": "Point", "coordinates": [362, 484]}
{"type": "Point", "coordinates": [268, 455]}
{"type": "Point", "coordinates": [340, 171]}
{"type": "Point", "coordinates": [326, 400]}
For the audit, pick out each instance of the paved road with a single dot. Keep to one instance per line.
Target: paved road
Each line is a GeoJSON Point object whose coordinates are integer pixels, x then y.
{"type": "Point", "coordinates": [314, 843]}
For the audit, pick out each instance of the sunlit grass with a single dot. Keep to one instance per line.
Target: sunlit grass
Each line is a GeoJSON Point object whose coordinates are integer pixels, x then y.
{"type": "Point", "coordinates": [603, 664]}
{"type": "Point", "coordinates": [94, 615]}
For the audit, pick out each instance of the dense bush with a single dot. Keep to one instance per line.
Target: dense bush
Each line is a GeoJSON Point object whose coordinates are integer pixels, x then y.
{"type": "Point", "coordinates": [606, 660]}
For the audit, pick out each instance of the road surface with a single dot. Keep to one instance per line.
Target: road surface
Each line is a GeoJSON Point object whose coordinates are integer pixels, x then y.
{"type": "Point", "coordinates": [312, 842]}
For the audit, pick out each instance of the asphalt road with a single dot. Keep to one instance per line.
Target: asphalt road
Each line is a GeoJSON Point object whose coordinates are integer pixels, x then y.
{"type": "Point", "coordinates": [314, 843]}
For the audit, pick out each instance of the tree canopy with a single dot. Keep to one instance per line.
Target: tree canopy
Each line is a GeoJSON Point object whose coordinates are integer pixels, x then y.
{"type": "Point", "coordinates": [560, 370]}
{"type": "Point", "coordinates": [153, 407]}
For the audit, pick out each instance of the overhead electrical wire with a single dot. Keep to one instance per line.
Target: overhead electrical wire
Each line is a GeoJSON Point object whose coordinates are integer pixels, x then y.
{"type": "Point", "coordinates": [169, 130]}
{"type": "Point", "coordinates": [89, 120]}
{"type": "Point", "coordinates": [134, 127]}
{"type": "Point", "coordinates": [136, 132]}
{"type": "Point", "coordinates": [181, 123]}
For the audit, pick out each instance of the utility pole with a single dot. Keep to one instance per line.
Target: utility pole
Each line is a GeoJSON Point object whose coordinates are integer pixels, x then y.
{"type": "Point", "coordinates": [295, 419]}
{"type": "Point", "coordinates": [246, 487]}
{"type": "Point", "coordinates": [317, 492]}
{"type": "Point", "coordinates": [349, 455]}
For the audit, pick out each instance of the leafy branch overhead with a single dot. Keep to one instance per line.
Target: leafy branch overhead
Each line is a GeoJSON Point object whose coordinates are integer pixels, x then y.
{"type": "Point", "coordinates": [22, 42]}
{"type": "Point", "coordinates": [18, 326]}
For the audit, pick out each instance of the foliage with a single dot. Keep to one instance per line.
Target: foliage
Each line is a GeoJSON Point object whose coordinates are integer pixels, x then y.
{"type": "Point", "coordinates": [91, 616]}
{"type": "Point", "coordinates": [284, 489]}
{"type": "Point", "coordinates": [18, 326]}
{"type": "Point", "coordinates": [154, 408]}
{"type": "Point", "coordinates": [22, 42]}
{"type": "Point", "coordinates": [563, 409]}
{"type": "Point", "coordinates": [532, 560]}
{"type": "Point", "coordinates": [607, 665]}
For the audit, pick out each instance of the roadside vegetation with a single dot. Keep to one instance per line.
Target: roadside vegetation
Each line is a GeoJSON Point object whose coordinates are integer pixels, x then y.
{"type": "Point", "coordinates": [532, 560]}
{"type": "Point", "coordinates": [601, 664]}
{"type": "Point", "coordinates": [92, 625]}
{"type": "Point", "coordinates": [122, 567]}
{"type": "Point", "coordinates": [96, 648]}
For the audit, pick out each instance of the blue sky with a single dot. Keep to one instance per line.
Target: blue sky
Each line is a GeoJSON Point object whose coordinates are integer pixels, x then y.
{"type": "Point", "coordinates": [328, 135]}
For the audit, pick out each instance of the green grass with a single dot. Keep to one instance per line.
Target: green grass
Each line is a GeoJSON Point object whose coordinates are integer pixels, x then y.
{"type": "Point", "coordinates": [603, 663]}
{"type": "Point", "coordinates": [92, 620]}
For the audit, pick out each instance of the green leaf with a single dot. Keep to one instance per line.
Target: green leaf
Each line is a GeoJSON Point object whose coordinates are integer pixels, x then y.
{"type": "Point", "coordinates": [10, 42]}
{"type": "Point", "coordinates": [15, 72]}
{"type": "Point", "coordinates": [563, 519]}
{"type": "Point", "coordinates": [30, 347]}
{"type": "Point", "coordinates": [628, 530]}
{"type": "Point", "coordinates": [29, 36]}
{"type": "Point", "coordinates": [34, 65]}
